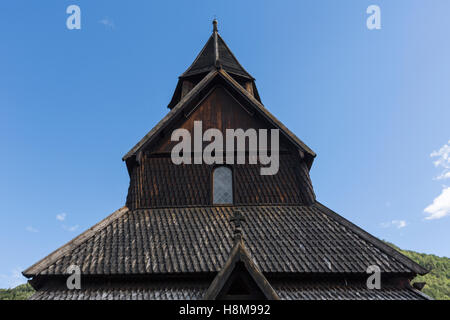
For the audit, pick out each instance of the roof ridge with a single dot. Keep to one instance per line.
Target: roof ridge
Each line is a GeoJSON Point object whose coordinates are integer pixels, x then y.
{"type": "Point", "coordinates": [196, 58]}
{"type": "Point", "coordinates": [234, 57]}
{"type": "Point", "coordinates": [372, 239]}
{"type": "Point", "coordinates": [161, 124]}
{"type": "Point", "coordinates": [216, 48]}
{"type": "Point", "coordinates": [75, 242]}
{"type": "Point", "coordinates": [277, 123]}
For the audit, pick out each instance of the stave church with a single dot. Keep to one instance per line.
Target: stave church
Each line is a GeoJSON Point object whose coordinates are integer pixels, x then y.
{"type": "Point", "coordinates": [222, 231]}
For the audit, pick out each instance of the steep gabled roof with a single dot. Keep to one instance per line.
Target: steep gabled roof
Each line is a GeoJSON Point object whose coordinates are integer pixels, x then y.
{"type": "Point", "coordinates": [216, 54]}
{"type": "Point", "coordinates": [239, 90]}
{"type": "Point", "coordinates": [240, 254]}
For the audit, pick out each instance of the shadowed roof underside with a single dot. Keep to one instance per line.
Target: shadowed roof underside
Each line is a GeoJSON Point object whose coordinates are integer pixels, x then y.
{"type": "Point", "coordinates": [196, 289]}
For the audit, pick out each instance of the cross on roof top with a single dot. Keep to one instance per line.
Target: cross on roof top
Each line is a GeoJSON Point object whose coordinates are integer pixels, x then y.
{"type": "Point", "coordinates": [237, 220]}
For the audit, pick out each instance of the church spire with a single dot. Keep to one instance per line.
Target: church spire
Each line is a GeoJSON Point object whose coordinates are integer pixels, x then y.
{"type": "Point", "coordinates": [216, 54]}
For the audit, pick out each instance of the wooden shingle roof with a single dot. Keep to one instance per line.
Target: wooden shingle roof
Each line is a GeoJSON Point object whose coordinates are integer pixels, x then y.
{"type": "Point", "coordinates": [343, 290]}
{"type": "Point", "coordinates": [280, 239]}
{"type": "Point", "coordinates": [131, 290]}
{"type": "Point", "coordinates": [195, 290]}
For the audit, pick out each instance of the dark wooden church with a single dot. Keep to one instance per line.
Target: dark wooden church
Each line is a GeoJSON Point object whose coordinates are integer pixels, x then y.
{"type": "Point", "coordinates": [210, 231]}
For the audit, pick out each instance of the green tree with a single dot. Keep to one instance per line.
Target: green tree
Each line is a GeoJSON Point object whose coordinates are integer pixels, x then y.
{"type": "Point", "coordinates": [21, 292]}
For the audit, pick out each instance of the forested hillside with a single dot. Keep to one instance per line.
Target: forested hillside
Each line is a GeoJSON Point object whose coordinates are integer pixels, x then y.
{"type": "Point", "coordinates": [438, 279]}
{"type": "Point", "coordinates": [22, 292]}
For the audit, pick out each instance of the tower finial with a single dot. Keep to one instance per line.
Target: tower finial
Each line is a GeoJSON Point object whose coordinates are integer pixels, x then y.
{"type": "Point", "coordinates": [214, 25]}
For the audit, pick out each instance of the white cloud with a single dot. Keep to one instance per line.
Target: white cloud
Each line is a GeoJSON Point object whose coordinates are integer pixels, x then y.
{"type": "Point", "coordinates": [107, 23]}
{"type": "Point", "coordinates": [399, 223]}
{"type": "Point", "coordinates": [396, 223]}
{"type": "Point", "coordinates": [13, 279]}
{"type": "Point", "coordinates": [71, 228]}
{"type": "Point", "coordinates": [442, 161]}
{"type": "Point", "coordinates": [443, 175]}
{"type": "Point", "coordinates": [440, 206]}
{"type": "Point", "coordinates": [31, 229]}
{"type": "Point", "coordinates": [61, 216]}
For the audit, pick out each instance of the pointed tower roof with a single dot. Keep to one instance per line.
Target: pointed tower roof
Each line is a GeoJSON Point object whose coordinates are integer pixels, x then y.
{"type": "Point", "coordinates": [216, 54]}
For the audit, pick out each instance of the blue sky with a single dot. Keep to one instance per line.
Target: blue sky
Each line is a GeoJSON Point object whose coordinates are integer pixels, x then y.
{"type": "Point", "coordinates": [373, 104]}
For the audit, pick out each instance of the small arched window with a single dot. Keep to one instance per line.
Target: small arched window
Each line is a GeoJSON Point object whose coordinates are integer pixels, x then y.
{"type": "Point", "coordinates": [222, 186]}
